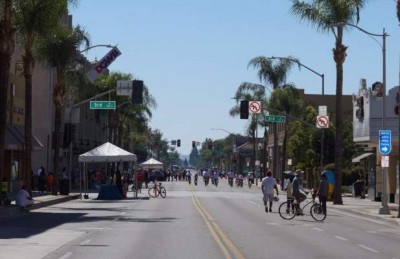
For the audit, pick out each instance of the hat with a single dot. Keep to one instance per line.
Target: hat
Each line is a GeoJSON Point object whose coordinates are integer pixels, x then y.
{"type": "Point", "coordinates": [299, 172]}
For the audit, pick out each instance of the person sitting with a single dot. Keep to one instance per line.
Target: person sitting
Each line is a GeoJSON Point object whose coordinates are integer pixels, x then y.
{"type": "Point", "coordinates": [23, 199]}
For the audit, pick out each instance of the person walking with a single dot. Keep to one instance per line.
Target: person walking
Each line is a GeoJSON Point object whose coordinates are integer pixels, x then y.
{"type": "Point", "coordinates": [268, 184]}
{"type": "Point", "coordinates": [323, 192]}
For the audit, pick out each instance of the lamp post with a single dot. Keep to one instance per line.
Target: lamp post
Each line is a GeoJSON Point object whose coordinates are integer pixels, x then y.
{"type": "Point", "coordinates": [322, 99]}
{"type": "Point", "coordinates": [233, 140]}
{"type": "Point", "coordinates": [384, 209]}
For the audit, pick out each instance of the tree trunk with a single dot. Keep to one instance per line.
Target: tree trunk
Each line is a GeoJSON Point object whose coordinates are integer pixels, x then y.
{"type": "Point", "coordinates": [339, 57]}
{"type": "Point", "coordinates": [275, 151]}
{"type": "Point", "coordinates": [28, 61]}
{"type": "Point", "coordinates": [6, 49]}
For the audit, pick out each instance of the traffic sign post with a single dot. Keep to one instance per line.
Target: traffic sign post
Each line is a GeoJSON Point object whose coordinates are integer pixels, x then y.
{"type": "Point", "coordinates": [385, 142]}
{"type": "Point", "coordinates": [102, 105]}
{"type": "Point", "coordinates": [273, 118]}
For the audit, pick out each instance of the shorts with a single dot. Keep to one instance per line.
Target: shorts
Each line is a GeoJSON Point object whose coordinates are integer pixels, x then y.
{"type": "Point", "coordinates": [268, 197]}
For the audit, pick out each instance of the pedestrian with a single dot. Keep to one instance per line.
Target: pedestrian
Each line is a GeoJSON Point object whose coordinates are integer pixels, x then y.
{"type": "Point", "coordinates": [289, 192]}
{"type": "Point", "coordinates": [42, 179]}
{"type": "Point", "coordinates": [268, 184]}
{"type": "Point", "coordinates": [23, 199]}
{"type": "Point", "coordinates": [323, 192]}
{"type": "Point", "coordinates": [118, 182]}
{"type": "Point", "coordinates": [50, 181]}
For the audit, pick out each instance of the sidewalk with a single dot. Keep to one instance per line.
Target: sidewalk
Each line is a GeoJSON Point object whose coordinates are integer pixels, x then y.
{"type": "Point", "coordinates": [366, 208]}
{"type": "Point", "coordinates": [41, 200]}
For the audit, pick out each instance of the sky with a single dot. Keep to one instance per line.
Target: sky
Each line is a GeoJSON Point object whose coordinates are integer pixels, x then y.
{"type": "Point", "coordinates": [193, 55]}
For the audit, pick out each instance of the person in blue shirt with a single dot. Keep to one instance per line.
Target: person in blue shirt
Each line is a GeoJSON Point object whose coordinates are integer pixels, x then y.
{"type": "Point", "coordinates": [297, 189]}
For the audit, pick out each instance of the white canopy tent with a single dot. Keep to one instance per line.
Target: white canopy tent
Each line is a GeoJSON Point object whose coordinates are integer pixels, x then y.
{"type": "Point", "coordinates": [107, 153]}
{"type": "Point", "coordinates": [152, 164]}
{"type": "Point", "coordinates": [103, 154]}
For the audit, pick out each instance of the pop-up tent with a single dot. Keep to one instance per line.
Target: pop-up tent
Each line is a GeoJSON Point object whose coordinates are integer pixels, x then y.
{"type": "Point", "coordinates": [104, 154]}
{"type": "Point", "coordinates": [152, 164]}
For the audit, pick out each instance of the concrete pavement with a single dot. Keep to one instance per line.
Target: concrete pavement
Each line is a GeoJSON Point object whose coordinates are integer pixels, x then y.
{"type": "Point", "coordinates": [351, 205]}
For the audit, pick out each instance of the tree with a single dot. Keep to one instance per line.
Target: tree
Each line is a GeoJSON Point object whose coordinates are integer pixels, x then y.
{"type": "Point", "coordinates": [275, 75]}
{"type": "Point", "coordinates": [7, 44]}
{"type": "Point", "coordinates": [286, 100]}
{"type": "Point", "coordinates": [326, 16]}
{"type": "Point", "coordinates": [60, 50]}
{"type": "Point", "coordinates": [34, 19]}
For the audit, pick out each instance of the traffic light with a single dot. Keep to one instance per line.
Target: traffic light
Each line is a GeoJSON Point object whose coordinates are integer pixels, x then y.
{"type": "Point", "coordinates": [210, 144]}
{"type": "Point", "coordinates": [137, 92]}
{"type": "Point", "coordinates": [178, 143]}
{"type": "Point", "coordinates": [193, 143]}
{"type": "Point", "coordinates": [377, 88]}
{"type": "Point", "coordinates": [244, 109]}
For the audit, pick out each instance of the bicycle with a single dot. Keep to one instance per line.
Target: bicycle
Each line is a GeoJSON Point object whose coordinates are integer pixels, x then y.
{"type": "Point", "coordinates": [290, 209]}
{"type": "Point", "coordinates": [156, 190]}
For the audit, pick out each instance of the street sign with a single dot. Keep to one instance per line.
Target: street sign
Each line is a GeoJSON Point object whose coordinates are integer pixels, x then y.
{"type": "Point", "coordinates": [322, 122]}
{"type": "Point", "coordinates": [273, 118]}
{"type": "Point", "coordinates": [102, 105]}
{"type": "Point", "coordinates": [322, 110]}
{"type": "Point", "coordinates": [254, 107]}
{"type": "Point", "coordinates": [385, 161]}
{"type": "Point", "coordinates": [385, 142]}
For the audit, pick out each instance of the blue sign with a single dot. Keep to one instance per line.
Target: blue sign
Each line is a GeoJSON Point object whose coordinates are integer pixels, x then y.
{"type": "Point", "coordinates": [385, 142]}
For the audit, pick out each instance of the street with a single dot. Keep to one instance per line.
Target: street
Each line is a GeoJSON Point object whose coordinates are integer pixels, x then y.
{"type": "Point", "coordinates": [192, 222]}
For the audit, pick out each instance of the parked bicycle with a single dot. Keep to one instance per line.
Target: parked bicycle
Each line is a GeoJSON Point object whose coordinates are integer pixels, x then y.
{"type": "Point", "coordinates": [156, 190]}
{"type": "Point", "coordinates": [290, 209]}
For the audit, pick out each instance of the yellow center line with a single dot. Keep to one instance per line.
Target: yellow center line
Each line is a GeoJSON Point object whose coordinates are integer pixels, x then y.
{"type": "Point", "coordinates": [216, 231]}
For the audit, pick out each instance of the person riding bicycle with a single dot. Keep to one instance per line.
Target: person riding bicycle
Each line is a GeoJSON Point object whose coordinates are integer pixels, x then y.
{"type": "Point", "coordinates": [250, 178]}
{"type": "Point", "coordinates": [231, 175]}
{"type": "Point", "coordinates": [206, 177]}
{"type": "Point", "coordinates": [189, 176]}
{"type": "Point", "coordinates": [297, 187]}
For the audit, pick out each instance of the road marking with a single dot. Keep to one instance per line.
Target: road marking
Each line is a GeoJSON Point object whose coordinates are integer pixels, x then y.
{"type": "Point", "coordinates": [87, 241]}
{"type": "Point", "coordinates": [318, 229]}
{"type": "Point", "coordinates": [341, 238]}
{"type": "Point", "coordinates": [253, 203]}
{"type": "Point", "coordinates": [272, 223]}
{"type": "Point", "coordinates": [219, 236]}
{"type": "Point", "coordinates": [67, 255]}
{"type": "Point", "coordinates": [368, 248]}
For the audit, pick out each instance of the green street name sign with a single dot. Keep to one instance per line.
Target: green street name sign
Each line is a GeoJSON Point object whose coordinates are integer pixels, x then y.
{"type": "Point", "coordinates": [102, 105]}
{"type": "Point", "coordinates": [273, 118]}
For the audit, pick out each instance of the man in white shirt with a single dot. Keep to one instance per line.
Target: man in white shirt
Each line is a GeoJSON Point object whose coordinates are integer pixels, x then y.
{"type": "Point", "coordinates": [23, 199]}
{"type": "Point", "coordinates": [268, 184]}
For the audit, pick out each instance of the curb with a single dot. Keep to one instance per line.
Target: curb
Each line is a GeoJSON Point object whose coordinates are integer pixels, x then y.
{"type": "Point", "coordinates": [59, 199]}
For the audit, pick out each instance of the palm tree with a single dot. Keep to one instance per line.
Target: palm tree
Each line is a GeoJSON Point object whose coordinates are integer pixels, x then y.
{"type": "Point", "coordinates": [34, 19]}
{"type": "Point", "coordinates": [60, 50]}
{"type": "Point", "coordinates": [326, 15]}
{"type": "Point", "coordinates": [275, 75]}
{"type": "Point", "coordinates": [7, 33]}
{"type": "Point", "coordinates": [287, 101]}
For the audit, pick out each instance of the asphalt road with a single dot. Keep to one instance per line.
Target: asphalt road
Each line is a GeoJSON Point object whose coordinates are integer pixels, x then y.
{"type": "Point", "coordinates": [192, 222]}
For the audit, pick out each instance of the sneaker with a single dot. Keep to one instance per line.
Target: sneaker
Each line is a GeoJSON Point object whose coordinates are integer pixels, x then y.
{"type": "Point", "coordinates": [287, 211]}
{"type": "Point", "coordinates": [270, 210]}
{"type": "Point", "coordinates": [266, 209]}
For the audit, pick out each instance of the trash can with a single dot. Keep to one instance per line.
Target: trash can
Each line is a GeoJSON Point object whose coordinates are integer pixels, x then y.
{"type": "Point", "coordinates": [64, 187]}
{"type": "Point", "coordinates": [357, 188]}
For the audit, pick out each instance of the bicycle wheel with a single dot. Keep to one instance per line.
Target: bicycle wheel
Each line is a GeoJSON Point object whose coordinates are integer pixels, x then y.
{"type": "Point", "coordinates": [163, 192]}
{"type": "Point", "coordinates": [153, 192]}
{"type": "Point", "coordinates": [286, 213]}
{"type": "Point", "coordinates": [317, 212]}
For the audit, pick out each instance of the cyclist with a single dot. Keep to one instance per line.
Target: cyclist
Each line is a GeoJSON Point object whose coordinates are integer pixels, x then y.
{"type": "Point", "coordinates": [250, 179]}
{"type": "Point", "coordinates": [297, 188]}
{"type": "Point", "coordinates": [231, 175]}
{"type": "Point", "coordinates": [189, 176]}
{"type": "Point", "coordinates": [195, 178]}
{"type": "Point", "coordinates": [206, 177]}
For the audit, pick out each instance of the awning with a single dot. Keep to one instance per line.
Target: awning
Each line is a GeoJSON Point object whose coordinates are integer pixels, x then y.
{"type": "Point", "coordinates": [15, 138]}
{"type": "Point", "coordinates": [361, 157]}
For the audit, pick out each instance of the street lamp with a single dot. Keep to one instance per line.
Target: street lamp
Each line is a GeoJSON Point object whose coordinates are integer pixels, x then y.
{"type": "Point", "coordinates": [384, 209]}
{"type": "Point", "coordinates": [322, 99]}
{"type": "Point", "coordinates": [233, 140]}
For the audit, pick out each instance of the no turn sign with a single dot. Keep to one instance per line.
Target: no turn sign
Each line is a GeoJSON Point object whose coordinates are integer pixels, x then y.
{"type": "Point", "coordinates": [322, 122]}
{"type": "Point", "coordinates": [254, 107]}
